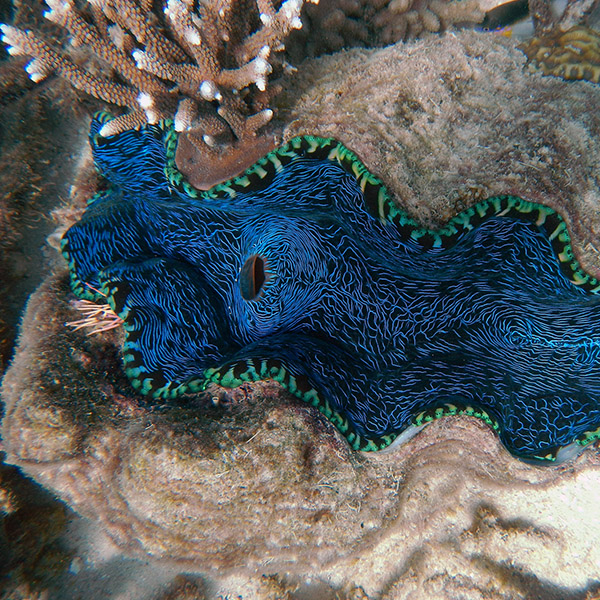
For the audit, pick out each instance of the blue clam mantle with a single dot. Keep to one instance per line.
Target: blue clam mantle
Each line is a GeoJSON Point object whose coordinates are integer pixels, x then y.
{"type": "Point", "coordinates": [303, 271]}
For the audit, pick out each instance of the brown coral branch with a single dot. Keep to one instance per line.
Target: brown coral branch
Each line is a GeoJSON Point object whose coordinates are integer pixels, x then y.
{"type": "Point", "coordinates": [46, 61]}
{"type": "Point", "coordinates": [128, 15]}
{"type": "Point", "coordinates": [247, 127]}
{"type": "Point", "coordinates": [196, 64]}
{"type": "Point", "coordinates": [130, 120]}
{"type": "Point", "coordinates": [62, 12]}
{"type": "Point", "coordinates": [276, 26]}
{"type": "Point", "coordinates": [190, 36]}
{"type": "Point", "coordinates": [253, 72]}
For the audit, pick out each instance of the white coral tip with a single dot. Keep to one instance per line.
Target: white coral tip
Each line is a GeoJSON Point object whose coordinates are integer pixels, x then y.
{"type": "Point", "coordinates": [58, 5]}
{"type": "Point", "coordinates": [266, 19]}
{"type": "Point", "coordinates": [296, 23]}
{"type": "Point", "coordinates": [10, 36]}
{"type": "Point", "coordinates": [58, 8]}
{"type": "Point", "coordinates": [179, 124]}
{"type": "Point", "coordinates": [261, 84]}
{"type": "Point", "coordinates": [192, 36]}
{"type": "Point", "coordinates": [291, 8]}
{"type": "Point", "coordinates": [140, 58]}
{"type": "Point", "coordinates": [36, 71]}
{"type": "Point", "coordinates": [209, 140]}
{"type": "Point", "coordinates": [145, 100]}
{"type": "Point", "coordinates": [181, 121]}
{"type": "Point", "coordinates": [209, 91]}
{"type": "Point", "coordinates": [107, 129]}
{"type": "Point", "coordinates": [36, 77]}
{"type": "Point", "coordinates": [264, 52]}
{"type": "Point", "coordinates": [151, 116]}
{"type": "Point", "coordinates": [261, 66]}
{"type": "Point", "coordinates": [31, 67]}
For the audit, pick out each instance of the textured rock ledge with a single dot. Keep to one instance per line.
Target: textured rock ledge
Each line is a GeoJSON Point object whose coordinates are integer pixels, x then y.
{"type": "Point", "coordinates": [255, 479]}
{"type": "Point", "coordinates": [252, 481]}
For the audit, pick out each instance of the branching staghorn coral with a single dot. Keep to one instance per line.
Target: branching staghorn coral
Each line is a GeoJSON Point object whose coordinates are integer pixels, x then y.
{"type": "Point", "coordinates": [183, 63]}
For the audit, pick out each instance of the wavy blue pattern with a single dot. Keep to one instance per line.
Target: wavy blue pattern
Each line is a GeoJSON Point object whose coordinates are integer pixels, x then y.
{"type": "Point", "coordinates": [349, 304]}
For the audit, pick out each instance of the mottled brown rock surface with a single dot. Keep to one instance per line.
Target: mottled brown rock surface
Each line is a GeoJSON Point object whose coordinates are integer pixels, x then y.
{"type": "Point", "coordinates": [251, 482]}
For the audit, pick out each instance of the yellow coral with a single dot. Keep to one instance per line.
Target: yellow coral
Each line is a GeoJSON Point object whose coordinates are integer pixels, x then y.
{"type": "Point", "coordinates": [574, 54]}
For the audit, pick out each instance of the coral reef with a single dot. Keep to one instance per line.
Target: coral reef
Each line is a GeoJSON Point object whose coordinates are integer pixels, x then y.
{"type": "Point", "coordinates": [332, 25]}
{"type": "Point", "coordinates": [252, 481]}
{"type": "Point", "coordinates": [178, 62]}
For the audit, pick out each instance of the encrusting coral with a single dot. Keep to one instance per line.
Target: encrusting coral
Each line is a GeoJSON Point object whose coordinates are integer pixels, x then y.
{"type": "Point", "coordinates": [574, 54]}
{"type": "Point", "coordinates": [563, 45]}
{"type": "Point", "coordinates": [180, 63]}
